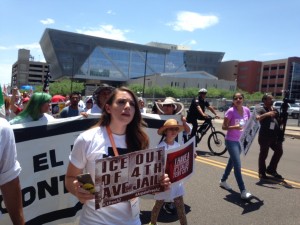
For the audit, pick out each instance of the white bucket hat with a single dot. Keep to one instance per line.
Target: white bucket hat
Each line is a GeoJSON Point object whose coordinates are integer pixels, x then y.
{"type": "Point", "coordinates": [178, 106]}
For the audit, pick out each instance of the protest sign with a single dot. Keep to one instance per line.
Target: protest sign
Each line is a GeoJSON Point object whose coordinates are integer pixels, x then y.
{"type": "Point", "coordinates": [180, 162]}
{"type": "Point", "coordinates": [128, 176]}
{"type": "Point", "coordinates": [250, 130]}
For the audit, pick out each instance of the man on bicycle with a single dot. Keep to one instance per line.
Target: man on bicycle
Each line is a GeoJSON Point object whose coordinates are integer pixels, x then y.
{"type": "Point", "coordinates": [197, 110]}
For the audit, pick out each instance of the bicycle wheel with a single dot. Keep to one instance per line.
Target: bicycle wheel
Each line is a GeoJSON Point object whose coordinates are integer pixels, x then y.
{"type": "Point", "coordinates": [216, 143]}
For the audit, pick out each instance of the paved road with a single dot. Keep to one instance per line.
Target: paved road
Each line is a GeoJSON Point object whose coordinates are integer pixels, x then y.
{"type": "Point", "coordinates": [206, 203]}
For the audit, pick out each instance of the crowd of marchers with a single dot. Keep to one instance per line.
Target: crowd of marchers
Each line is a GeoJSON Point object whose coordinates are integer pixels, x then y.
{"type": "Point", "coordinates": [120, 131]}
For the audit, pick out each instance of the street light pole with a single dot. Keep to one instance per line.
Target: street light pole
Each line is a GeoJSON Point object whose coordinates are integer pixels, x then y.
{"type": "Point", "coordinates": [72, 74]}
{"type": "Point", "coordinates": [292, 79]}
{"type": "Point", "coordinates": [145, 71]}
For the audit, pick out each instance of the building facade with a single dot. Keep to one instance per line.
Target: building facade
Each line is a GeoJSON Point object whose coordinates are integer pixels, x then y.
{"type": "Point", "coordinates": [26, 71]}
{"type": "Point", "coordinates": [228, 70]}
{"type": "Point", "coordinates": [248, 76]}
{"type": "Point", "coordinates": [279, 77]}
{"type": "Point", "coordinates": [93, 59]}
{"type": "Point", "coordinates": [185, 80]}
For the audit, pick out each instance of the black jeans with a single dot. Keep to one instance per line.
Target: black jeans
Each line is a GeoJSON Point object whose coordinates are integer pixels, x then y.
{"type": "Point", "coordinates": [266, 143]}
{"type": "Point", "coordinates": [195, 127]}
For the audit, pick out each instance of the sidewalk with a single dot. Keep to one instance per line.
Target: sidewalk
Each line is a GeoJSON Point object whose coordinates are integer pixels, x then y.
{"type": "Point", "coordinates": [290, 131]}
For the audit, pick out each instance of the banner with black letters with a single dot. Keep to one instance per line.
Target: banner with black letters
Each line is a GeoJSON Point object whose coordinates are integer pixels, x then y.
{"type": "Point", "coordinates": [43, 152]}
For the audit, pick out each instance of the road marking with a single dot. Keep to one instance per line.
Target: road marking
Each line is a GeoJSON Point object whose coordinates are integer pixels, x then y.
{"type": "Point", "coordinates": [247, 172]}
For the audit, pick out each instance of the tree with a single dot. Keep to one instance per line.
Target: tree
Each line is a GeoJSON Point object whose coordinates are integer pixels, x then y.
{"type": "Point", "coordinates": [63, 87]}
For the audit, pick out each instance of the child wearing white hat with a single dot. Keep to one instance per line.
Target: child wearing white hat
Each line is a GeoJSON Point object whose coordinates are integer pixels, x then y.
{"type": "Point", "coordinates": [169, 132]}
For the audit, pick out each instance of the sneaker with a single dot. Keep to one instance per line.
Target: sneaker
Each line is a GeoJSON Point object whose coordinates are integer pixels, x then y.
{"type": "Point", "coordinates": [170, 208]}
{"type": "Point", "coordinates": [274, 174]}
{"type": "Point", "coordinates": [223, 184]}
{"type": "Point", "coordinates": [263, 176]}
{"type": "Point", "coordinates": [245, 194]}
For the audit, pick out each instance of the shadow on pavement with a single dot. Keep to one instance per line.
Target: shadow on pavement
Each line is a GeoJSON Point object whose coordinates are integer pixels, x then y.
{"type": "Point", "coordinates": [253, 204]}
{"type": "Point", "coordinates": [162, 217]}
{"type": "Point", "coordinates": [203, 153]}
{"type": "Point", "coordinates": [208, 154]}
{"type": "Point", "coordinates": [269, 183]}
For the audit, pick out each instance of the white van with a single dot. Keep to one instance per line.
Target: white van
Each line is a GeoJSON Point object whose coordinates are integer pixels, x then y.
{"type": "Point", "coordinates": [293, 109]}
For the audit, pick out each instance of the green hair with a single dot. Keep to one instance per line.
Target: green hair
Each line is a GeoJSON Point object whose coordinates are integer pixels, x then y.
{"type": "Point", "coordinates": [33, 108]}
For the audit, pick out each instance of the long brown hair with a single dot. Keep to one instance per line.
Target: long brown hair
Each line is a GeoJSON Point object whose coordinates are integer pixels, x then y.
{"type": "Point", "coordinates": [136, 138]}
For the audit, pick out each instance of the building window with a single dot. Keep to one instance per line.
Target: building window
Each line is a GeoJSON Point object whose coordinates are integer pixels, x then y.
{"type": "Point", "coordinates": [243, 68]}
{"type": "Point", "coordinates": [282, 67]}
{"type": "Point", "coordinates": [274, 68]}
{"type": "Point", "coordinates": [273, 77]}
{"type": "Point", "coordinates": [265, 77]}
{"type": "Point", "coordinates": [266, 68]}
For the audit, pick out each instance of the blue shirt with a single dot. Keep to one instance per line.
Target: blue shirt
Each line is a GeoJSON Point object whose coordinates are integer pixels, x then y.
{"type": "Point", "coordinates": [69, 112]}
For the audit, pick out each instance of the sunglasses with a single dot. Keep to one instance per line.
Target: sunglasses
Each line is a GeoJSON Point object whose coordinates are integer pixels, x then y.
{"type": "Point", "coordinates": [238, 98]}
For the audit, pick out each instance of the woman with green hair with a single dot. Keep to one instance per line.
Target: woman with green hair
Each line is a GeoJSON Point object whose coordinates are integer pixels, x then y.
{"type": "Point", "coordinates": [36, 110]}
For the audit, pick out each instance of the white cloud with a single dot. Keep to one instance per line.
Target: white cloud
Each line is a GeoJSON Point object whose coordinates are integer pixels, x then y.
{"type": "Point", "coordinates": [105, 31]}
{"type": "Point", "coordinates": [47, 21]}
{"type": "Point", "coordinates": [110, 12]}
{"type": "Point", "coordinates": [5, 71]}
{"type": "Point", "coordinates": [190, 21]}
{"type": "Point", "coordinates": [32, 46]}
{"type": "Point", "coordinates": [3, 48]}
{"type": "Point", "coordinates": [193, 42]}
{"type": "Point", "coordinates": [189, 42]}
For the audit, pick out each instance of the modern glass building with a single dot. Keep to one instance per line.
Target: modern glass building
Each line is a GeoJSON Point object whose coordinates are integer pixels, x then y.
{"type": "Point", "coordinates": [86, 57]}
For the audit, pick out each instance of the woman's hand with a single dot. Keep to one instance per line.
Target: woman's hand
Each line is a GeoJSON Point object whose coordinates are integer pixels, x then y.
{"type": "Point", "coordinates": [74, 186]}
{"type": "Point", "coordinates": [82, 194]}
{"type": "Point", "coordinates": [84, 114]}
{"type": "Point", "coordinates": [165, 181]}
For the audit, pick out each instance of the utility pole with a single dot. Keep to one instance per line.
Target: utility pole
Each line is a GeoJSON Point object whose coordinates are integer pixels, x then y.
{"type": "Point", "coordinates": [145, 71]}
{"type": "Point", "coordinates": [72, 74]}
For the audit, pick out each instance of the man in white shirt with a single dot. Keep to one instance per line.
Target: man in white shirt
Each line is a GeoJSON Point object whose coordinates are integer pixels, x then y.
{"type": "Point", "coordinates": [9, 174]}
{"type": "Point", "coordinates": [100, 96]}
{"type": "Point", "coordinates": [142, 105]}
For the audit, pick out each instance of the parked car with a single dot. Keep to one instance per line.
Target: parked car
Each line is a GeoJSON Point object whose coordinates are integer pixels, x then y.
{"type": "Point", "coordinates": [293, 109]}
{"type": "Point", "coordinates": [225, 107]}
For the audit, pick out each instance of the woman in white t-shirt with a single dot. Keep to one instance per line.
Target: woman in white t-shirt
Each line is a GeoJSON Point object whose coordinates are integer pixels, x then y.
{"type": "Point", "coordinates": [169, 132]}
{"type": "Point", "coordinates": [121, 120]}
{"type": "Point", "coordinates": [37, 109]}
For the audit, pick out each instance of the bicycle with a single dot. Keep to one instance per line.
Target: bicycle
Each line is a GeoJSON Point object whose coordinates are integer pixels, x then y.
{"type": "Point", "coordinates": [215, 141]}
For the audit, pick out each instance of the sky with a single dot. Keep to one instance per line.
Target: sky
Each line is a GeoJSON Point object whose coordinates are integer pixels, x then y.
{"type": "Point", "coordinates": [259, 30]}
